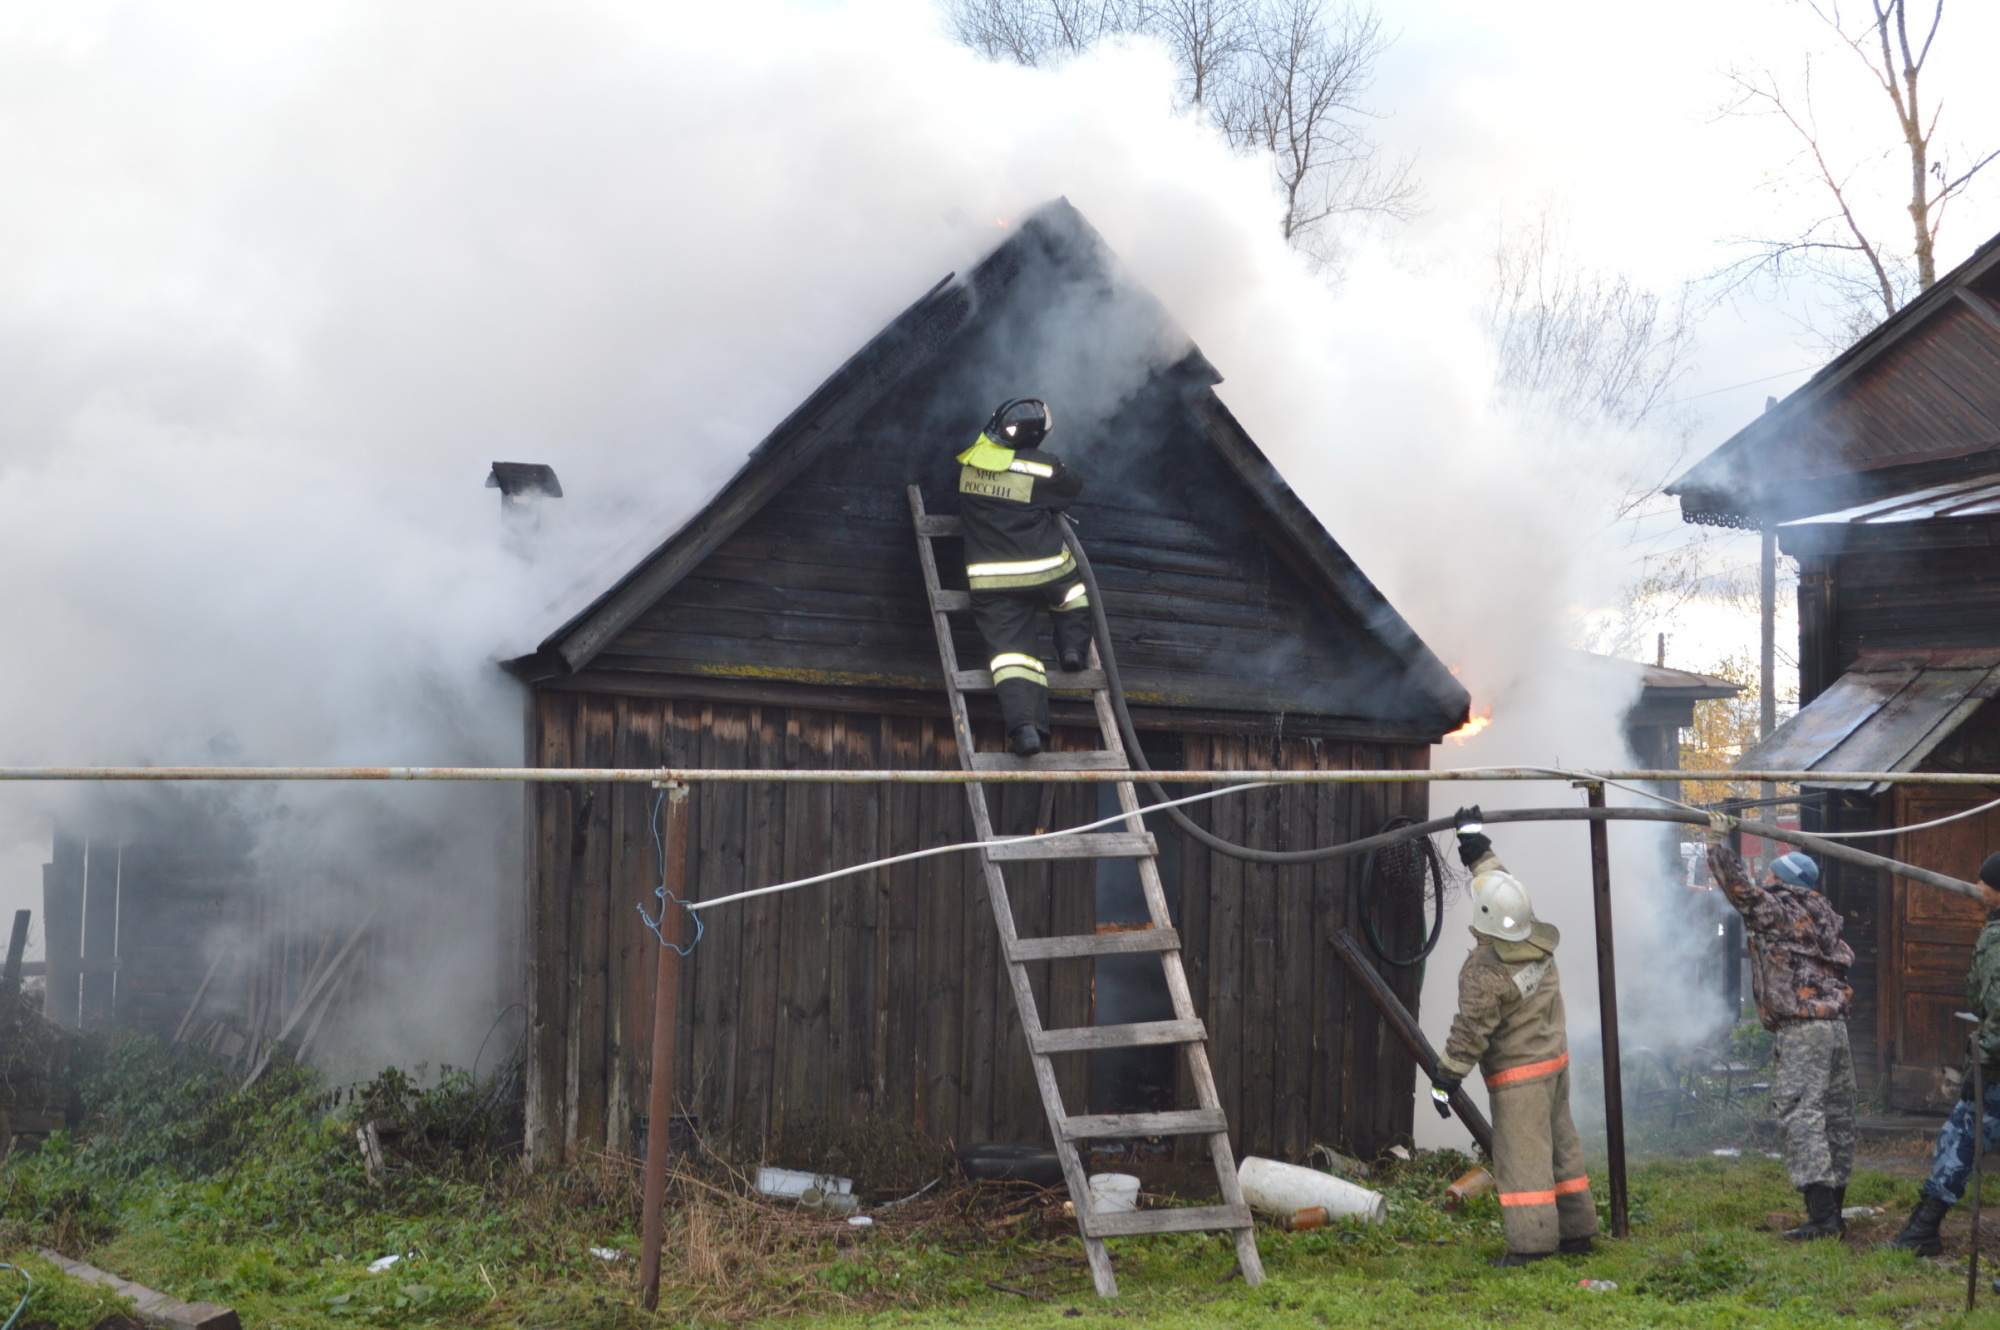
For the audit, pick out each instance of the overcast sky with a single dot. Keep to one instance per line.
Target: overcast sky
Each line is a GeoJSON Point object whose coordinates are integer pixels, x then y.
{"type": "Point", "coordinates": [1612, 109]}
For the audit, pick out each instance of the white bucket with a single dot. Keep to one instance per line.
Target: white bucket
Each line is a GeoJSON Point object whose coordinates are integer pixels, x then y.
{"type": "Point", "coordinates": [791, 1182]}
{"type": "Point", "coordinates": [1113, 1193]}
{"type": "Point", "coordinates": [1285, 1189]}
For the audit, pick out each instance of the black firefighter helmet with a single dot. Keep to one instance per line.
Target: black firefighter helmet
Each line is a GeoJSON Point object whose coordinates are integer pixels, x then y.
{"type": "Point", "coordinates": [1021, 423]}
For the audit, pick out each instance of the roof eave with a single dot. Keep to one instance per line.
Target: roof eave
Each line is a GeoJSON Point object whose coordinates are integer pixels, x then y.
{"type": "Point", "coordinates": [1702, 493]}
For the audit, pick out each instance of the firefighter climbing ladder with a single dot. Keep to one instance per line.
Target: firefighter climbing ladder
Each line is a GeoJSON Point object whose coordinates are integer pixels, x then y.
{"type": "Point", "coordinates": [1185, 1030]}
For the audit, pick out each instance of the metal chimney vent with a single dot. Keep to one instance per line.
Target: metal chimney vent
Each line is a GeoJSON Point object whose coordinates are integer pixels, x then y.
{"type": "Point", "coordinates": [516, 480]}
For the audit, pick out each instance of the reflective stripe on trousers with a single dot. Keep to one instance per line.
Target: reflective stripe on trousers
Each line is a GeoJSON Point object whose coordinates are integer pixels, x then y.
{"type": "Point", "coordinates": [1545, 1197]}
{"type": "Point", "coordinates": [1019, 573]}
{"type": "Point", "coordinates": [1014, 665]}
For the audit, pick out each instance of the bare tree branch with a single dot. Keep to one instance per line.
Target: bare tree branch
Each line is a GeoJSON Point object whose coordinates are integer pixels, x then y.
{"type": "Point", "coordinates": [1882, 44]}
{"type": "Point", "coordinates": [1206, 36]}
{"type": "Point", "coordinates": [1285, 78]}
{"type": "Point", "coordinates": [1591, 346]}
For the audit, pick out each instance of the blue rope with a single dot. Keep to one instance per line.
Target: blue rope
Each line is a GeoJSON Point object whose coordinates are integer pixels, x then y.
{"type": "Point", "coordinates": [22, 1305]}
{"type": "Point", "coordinates": [660, 893]}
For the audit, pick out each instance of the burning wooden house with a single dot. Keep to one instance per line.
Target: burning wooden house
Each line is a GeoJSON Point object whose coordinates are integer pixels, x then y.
{"type": "Point", "coordinates": [1881, 476]}
{"type": "Point", "coordinates": [785, 625]}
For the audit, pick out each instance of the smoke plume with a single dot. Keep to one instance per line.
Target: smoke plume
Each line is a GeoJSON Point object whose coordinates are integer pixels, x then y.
{"type": "Point", "coordinates": [282, 281]}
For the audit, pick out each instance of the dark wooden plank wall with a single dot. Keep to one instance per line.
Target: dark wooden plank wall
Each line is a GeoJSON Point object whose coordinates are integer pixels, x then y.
{"type": "Point", "coordinates": [884, 995]}
{"type": "Point", "coordinates": [1300, 1054]}
{"type": "Point", "coordinates": [1938, 389]}
{"type": "Point", "coordinates": [1942, 592]}
{"type": "Point", "coordinates": [878, 995]}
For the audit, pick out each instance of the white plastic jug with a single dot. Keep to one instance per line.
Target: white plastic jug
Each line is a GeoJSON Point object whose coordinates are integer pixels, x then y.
{"type": "Point", "coordinates": [1286, 1189]}
{"type": "Point", "coordinates": [1114, 1193]}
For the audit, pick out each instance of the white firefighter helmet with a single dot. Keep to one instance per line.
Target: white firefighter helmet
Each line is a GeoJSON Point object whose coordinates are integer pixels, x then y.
{"type": "Point", "coordinates": [1500, 906]}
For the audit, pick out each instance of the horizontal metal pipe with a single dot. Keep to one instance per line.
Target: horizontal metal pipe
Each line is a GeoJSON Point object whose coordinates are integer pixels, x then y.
{"type": "Point", "coordinates": [1805, 840]}
{"type": "Point", "coordinates": [808, 776]}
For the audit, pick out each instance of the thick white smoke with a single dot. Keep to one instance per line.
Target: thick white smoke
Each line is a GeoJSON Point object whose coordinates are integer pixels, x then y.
{"type": "Point", "coordinates": [280, 282]}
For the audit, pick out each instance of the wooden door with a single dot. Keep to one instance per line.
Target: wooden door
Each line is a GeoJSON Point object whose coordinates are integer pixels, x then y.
{"type": "Point", "coordinates": [1929, 946]}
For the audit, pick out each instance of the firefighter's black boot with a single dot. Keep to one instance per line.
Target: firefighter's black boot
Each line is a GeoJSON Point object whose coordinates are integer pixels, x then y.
{"type": "Point", "coordinates": [1072, 661]}
{"type": "Point", "coordinates": [1024, 741]}
{"type": "Point", "coordinates": [1577, 1247]}
{"type": "Point", "coordinates": [1822, 1214]}
{"type": "Point", "coordinates": [1920, 1233]}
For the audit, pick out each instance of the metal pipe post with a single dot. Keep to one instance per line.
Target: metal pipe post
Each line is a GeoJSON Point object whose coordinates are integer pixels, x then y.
{"type": "Point", "coordinates": [1767, 646]}
{"type": "Point", "coordinates": [1607, 1015]}
{"type": "Point", "coordinates": [666, 1011]}
{"type": "Point", "coordinates": [1978, 1164]}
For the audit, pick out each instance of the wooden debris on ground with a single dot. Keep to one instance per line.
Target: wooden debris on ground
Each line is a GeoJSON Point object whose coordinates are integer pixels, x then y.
{"type": "Point", "coordinates": [154, 1308]}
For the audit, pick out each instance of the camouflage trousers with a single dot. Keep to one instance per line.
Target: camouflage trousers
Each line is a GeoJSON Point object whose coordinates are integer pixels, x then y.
{"type": "Point", "coordinates": [1812, 1094]}
{"type": "Point", "coordinates": [1951, 1165]}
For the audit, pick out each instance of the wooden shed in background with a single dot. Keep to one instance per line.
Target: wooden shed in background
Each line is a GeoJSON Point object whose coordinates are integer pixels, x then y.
{"type": "Point", "coordinates": [1881, 476]}
{"type": "Point", "coordinates": [156, 919]}
{"type": "Point", "coordinates": [785, 625]}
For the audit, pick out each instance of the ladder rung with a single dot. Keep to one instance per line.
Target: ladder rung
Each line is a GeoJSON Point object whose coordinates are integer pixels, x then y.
{"type": "Point", "coordinates": [1082, 681]}
{"type": "Point", "coordinates": [929, 525]}
{"type": "Point", "coordinates": [1190, 1219]}
{"type": "Point", "coordinates": [1096, 760]}
{"type": "Point", "coordinates": [1125, 942]}
{"type": "Point", "coordinates": [1091, 1038]}
{"type": "Point", "coordinates": [1090, 845]}
{"type": "Point", "coordinates": [1180, 1122]}
{"type": "Point", "coordinates": [951, 600]}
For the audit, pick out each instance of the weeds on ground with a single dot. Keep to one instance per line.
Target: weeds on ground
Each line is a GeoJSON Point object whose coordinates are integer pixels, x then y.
{"type": "Point", "coordinates": [259, 1199]}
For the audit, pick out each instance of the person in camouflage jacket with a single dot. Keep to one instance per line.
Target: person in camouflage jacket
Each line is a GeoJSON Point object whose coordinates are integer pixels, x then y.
{"type": "Point", "coordinates": [1951, 1164]}
{"type": "Point", "coordinates": [1799, 974]}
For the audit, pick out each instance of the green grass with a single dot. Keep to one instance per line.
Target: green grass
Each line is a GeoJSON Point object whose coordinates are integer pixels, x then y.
{"type": "Point", "coordinates": [260, 1201]}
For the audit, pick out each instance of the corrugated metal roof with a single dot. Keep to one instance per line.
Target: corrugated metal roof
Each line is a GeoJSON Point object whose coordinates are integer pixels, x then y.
{"type": "Point", "coordinates": [1886, 714]}
{"type": "Point", "coordinates": [1978, 497]}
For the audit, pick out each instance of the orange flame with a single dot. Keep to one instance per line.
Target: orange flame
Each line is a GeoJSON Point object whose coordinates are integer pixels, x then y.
{"type": "Point", "coordinates": [1478, 721]}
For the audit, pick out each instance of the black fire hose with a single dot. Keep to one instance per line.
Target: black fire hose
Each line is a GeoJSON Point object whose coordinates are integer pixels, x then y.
{"type": "Point", "coordinates": [1429, 869]}
{"type": "Point", "coordinates": [1137, 757]}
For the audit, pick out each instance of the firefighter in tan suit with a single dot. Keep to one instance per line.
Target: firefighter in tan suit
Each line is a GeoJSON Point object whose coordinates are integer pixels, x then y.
{"type": "Point", "coordinates": [1510, 1025]}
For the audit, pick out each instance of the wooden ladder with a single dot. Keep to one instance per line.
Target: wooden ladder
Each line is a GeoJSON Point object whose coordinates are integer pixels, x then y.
{"type": "Point", "coordinates": [1161, 938]}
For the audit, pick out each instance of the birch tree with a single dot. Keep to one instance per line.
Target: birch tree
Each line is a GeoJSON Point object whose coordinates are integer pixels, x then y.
{"type": "Point", "coordinates": [1874, 265]}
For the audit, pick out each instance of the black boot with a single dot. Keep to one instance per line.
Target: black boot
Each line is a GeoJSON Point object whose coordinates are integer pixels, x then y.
{"type": "Point", "coordinates": [1576, 1247]}
{"type": "Point", "coordinates": [1822, 1214]}
{"type": "Point", "coordinates": [1024, 741]}
{"type": "Point", "coordinates": [1514, 1259]}
{"type": "Point", "coordinates": [1920, 1233]}
{"type": "Point", "coordinates": [1072, 661]}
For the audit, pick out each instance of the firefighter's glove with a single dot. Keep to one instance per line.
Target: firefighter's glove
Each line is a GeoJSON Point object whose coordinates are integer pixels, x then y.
{"type": "Point", "coordinates": [1473, 846]}
{"type": "Point", "coordinates": [1443, 1087]}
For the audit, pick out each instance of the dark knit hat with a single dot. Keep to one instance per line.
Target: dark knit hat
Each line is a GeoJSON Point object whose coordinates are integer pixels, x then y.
{"type": "Point", "coordinates": [1989, 872]}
